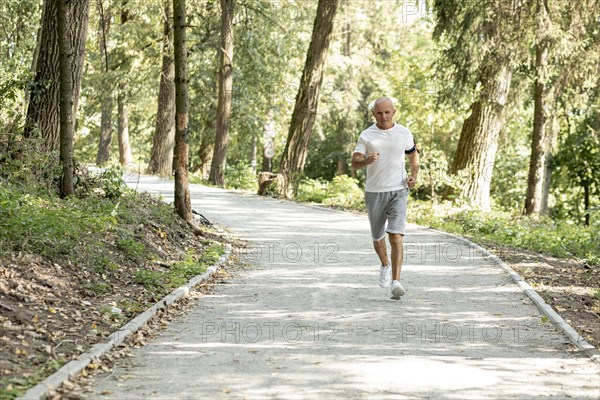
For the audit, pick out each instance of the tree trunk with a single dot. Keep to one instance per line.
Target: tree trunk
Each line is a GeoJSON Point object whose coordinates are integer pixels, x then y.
{"type": "Point", "coordinates": [107, 98]}
{"type": "Point", "coordinates": [544, 104]}
{"type": "Point", "coordinates": [207, 147]}
{"type": "Point", "coordinates": [43, 118]}
{"type": "Point", "coordinates": [305, 109]}
{"type": "Point", "coordinates": [161, 160]}
{"type": "Point", "coordinates": [586, 203]}
{"type": "Point", "coordinates": [476, 152]}
{"type": "Point", "coordinates": [550, 146]}
{"type": "Point", "coordinates": [66, 99]}
{"type": "Point", "coordinates": [253, 150]}
{"type": "Point", "coordinates": [183, 204]}
{"type": "Point", "coordinates": [125, 156]}
{"type": "Point", "coordinates": [217, 169]}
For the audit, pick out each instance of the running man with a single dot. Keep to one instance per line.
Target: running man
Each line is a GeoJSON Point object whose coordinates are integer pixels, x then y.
{"type": "Point", "coordinates": [382, 148]}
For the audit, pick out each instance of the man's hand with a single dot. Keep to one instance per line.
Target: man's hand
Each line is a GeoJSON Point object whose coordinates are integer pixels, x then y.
{"type": "Point", "coordinates": [359, 160]}
{"type": "Point", "coordinates": [411, 181]}
{"type": "Point", "coordinates": [372, 157]}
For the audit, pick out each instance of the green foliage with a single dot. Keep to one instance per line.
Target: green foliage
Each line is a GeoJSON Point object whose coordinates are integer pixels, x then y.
{"type": "Point", "coordinates": [148, 278]}
{"type": "Point", "coordinates": [19, 20]}
{"type": "Point", "coordinates": [181, 272]}
{"type": "Point", "coordinates": [131, 247]}
{"type": "Point", "coordinates": [312, 191]}
{"type": "Point", "coordinates": [26, 163]}
{"type": "Point", "coordinates": [48, 225]}
{"type": "Point", "coordinates": [111, 183]}
{"type": "Point", "coordinates": [558, 239]}
{"type": "Point", "coordinates": [241, 176]}
{"type": "Point", "coordinates": [342, 192]}
{"type": "Point", "coordinates": [98, 288]}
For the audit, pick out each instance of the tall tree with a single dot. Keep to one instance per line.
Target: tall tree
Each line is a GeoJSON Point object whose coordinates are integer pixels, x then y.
{"type": "Point", "coordinates": [183, 204]}
{"type": "Point", "coordinates": [43, 109]}
{"type": "Point", "coordinates": [305, 108]}
{"type": "Point", "coordinates": [219, 160]}
{"type": "Point", "coordinates": [544, 105]}
{"type": "Point", "coordinates": [106, 125]}
{"type": "Point", "coordinates": [484, 66]}
{"type": "Point", "coordinates": [66, 99]}
{"type": "Point", "coordinates": [161, 160]}
{"type": "Point", "coordinates": [125, 156]}
{"type": "Point", "coordinates": [478, 142]}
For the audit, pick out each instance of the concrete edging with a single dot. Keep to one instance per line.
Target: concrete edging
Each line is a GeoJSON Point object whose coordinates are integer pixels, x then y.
{"type": "Point", "coordinates": [544, 307]}
{"type": "Point", "coordinates": [73, 367]}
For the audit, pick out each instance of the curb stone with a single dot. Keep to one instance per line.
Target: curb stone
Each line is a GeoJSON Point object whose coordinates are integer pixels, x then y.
{"type": "Point", "coordinates": [544, 307]}
{"type": "Point", "coordinates": [72, 368]}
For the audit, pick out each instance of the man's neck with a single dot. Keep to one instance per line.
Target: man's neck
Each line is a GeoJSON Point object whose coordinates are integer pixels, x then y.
{"type": "Point", "coordinates": [383, 128]}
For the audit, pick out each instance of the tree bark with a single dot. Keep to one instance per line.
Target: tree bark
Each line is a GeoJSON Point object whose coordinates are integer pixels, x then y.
{"type": "Point", "coordinates": [207, 148]}
{"type": "Point", "coordinates": [43, 118]}
{"type": "Point", "coordinates": [550, 147]}
{"type": "Point", "coordinates": [66, 99]}
{"type": "Point", "coordinates": [544, 105]}
{"type": "Point", "coordinates": [219, 160]}
{"type": "Point", "coordinates": [305, 108]}
{"type": "Point", "coordinates": [107, 98]}
{"type": "Point", "coordinates": [125, 156]}
{"type": "Point", "coordinates": [183, 204]}
{"type": "Point", "coordinates": [161, 160]}
{"type": "Point", "coordinates": [476, 152]}
{"type": "Point", "coordinates": [105, 129]}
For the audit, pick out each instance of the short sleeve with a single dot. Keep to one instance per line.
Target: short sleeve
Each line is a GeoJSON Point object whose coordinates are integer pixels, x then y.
{"type": "Point", "coordinates": [361, 146]}
{"type": "Point", "coordinates": [411, 146]}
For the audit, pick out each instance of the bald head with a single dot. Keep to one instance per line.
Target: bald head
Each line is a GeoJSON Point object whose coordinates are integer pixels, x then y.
{"type": "Point", "coordinates": [383, 101]}
{"type": "Point", "coordinates": [383, 111]}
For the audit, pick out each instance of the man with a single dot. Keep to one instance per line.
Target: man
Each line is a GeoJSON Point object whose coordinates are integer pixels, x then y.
{"type": "Point", "coordinates": [382, 149]}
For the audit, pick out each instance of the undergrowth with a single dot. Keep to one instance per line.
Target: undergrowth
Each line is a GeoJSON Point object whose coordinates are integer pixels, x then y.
{"type": "Point", "coordinates": [556, 238]}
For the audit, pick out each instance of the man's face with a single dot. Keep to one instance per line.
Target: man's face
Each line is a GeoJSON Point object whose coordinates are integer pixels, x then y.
{"type": "Point", "coordinates": [384, 114]}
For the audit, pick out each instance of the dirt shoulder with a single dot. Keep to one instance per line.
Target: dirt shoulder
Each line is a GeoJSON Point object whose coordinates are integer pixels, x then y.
{"type": "Point", "coordinates": [54, 308]}
{"type": "Point", "coordinates": [571, 287]}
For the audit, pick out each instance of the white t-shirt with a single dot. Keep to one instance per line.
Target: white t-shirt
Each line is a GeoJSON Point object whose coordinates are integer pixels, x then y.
{"type": "Point", "coordinates": [388, 173]}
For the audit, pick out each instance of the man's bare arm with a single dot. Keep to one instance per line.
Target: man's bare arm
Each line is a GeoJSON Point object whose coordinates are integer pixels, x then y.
{"type": "Point", "coordinates": [359, 160]}
{"type": "Point", "coordinates": [413, 163]}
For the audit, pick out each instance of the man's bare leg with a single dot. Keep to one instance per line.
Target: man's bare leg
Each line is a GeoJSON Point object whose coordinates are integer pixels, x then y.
{"type": "Point", "coordinates": [381, 250]}
{"type": "Point", "coordinates": [397, 255]}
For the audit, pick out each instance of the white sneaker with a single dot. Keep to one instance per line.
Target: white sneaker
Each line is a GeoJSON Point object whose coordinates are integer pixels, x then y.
{"type": "Point", "coordinates": [385, 275]}
{"type": "Point", "coordinates": [397, 290]}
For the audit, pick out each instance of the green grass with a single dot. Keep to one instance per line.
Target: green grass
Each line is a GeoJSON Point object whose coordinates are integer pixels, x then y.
{"type": "Point", "coordinates": [98, 288]}
{"type": "Point", "coordinates": [45, 224]}
{"type": "Point", "coordinates": [559, 239]}
{"type": "Point", "coordinates": [12, 388]}
{"type": "Point", "coordinates": [180, 272]}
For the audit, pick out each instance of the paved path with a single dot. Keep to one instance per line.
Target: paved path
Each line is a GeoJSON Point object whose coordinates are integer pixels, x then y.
{"type": "Point", "coordinates": [309, 321]}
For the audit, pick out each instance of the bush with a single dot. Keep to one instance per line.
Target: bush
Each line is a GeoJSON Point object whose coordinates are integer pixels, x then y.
{"type": "Point", "coordinates": [241, 176]}
{"type": "Point", "coordinates": [312, 191]}
{"type": "Point", "coordinates": [559, 239]}
{"type": "Point", "coordinates": [342, 192]}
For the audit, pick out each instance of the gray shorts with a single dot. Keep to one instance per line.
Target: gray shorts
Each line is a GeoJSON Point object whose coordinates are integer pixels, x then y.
{"type": "Point", "coordinates": [386, 206]}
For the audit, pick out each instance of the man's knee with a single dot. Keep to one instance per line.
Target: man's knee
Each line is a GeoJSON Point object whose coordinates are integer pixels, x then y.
{"type": "Point", "coordinates": [380, 242]}
{"type": "Point", "coordinates": [396, 238]}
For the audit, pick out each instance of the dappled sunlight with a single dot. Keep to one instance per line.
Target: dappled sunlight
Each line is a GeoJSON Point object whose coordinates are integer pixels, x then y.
{"type": "Point", "coordinates": [310, 321]}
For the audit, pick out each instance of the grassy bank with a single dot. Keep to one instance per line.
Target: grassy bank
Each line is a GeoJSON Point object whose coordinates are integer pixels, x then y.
{"type": "Point", "coordinates": [72, 271]}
